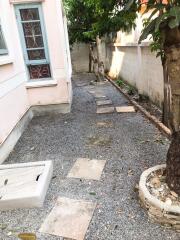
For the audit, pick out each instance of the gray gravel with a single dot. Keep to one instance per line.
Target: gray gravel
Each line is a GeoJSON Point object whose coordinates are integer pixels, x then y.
{"type": "Point", "coordinates": [64, 138]}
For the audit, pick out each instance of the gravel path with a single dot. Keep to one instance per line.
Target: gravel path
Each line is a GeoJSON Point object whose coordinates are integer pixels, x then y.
{"type": "Point", "coordinates": [133, 146]}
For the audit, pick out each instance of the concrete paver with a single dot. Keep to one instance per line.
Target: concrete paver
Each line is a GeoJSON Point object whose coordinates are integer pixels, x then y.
{"type": "Point", "coordinates": [69, 218]}
{"type": "Point", "coordinates": [104, 110]}
{"type": "Point", "coordinates": [125, 109]}
{"type": "Point", "coordinates": [87, 169]}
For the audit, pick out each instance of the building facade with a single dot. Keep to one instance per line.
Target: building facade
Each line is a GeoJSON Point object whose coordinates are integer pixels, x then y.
{"type": "Point", "coordinates": [35, 65]}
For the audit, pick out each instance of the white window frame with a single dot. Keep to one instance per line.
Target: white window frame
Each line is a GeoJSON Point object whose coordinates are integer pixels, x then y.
{"type": "Point", "coordinates": [3, 51]}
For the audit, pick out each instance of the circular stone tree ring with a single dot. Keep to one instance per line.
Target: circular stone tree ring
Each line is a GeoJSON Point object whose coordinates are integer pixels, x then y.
{"type": "Point", "coordinates": [159, 211]}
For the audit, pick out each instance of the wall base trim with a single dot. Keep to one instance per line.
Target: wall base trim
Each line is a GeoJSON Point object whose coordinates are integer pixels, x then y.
{"type": "Point", "coordinates": [8, 145]}
{"type": "Point", "coordinates": [42, 110]}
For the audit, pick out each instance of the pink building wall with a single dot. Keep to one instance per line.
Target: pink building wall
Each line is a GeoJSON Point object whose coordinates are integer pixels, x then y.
{"type": "Point", "coordinates": [17, 94]}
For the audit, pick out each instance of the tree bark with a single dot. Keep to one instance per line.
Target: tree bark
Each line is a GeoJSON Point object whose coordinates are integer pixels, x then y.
{"type": "Point", "coordinates": [173, 157]}
{"type": "Point", "coordinates": [90, 57]}
{"type": "Point", "coordinates": [173, 68]}
{"type": "Point", "coordinates": [173, 164]}
{"type": "Point", "coordinates": [167, 97]}
{"type": "Point", "coordinates": [99, 59]}
{"type": "Point", "coordinates": [99, 49]}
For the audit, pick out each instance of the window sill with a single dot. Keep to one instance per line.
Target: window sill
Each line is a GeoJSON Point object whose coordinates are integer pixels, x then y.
{"type": "Point", "coordinates": [42, 83]}
{"type": "Point", "coordinates": [5, 60]}
{"type": "Point", "coordinates": [24, 1]}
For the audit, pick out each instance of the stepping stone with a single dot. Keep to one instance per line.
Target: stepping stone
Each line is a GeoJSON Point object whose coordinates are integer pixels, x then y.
{"type": "Point", "coordinates": [125, 109]}
{"type": "Point", "coordinates": [24, 185]}
{"type": "Point", "coordinates": [104, 110]}
{"type": "Point", "coordinates": [81, 84]}
{"type": "Point", "coordinates": [91, 92]}
{"type": "Point", "coordinates": [69, 219]}
{"type": "Point", "coordinates": [85, 168]}
{"type": "Point", "coordinates": [103, 102]}
{"type": "Point", "coordinates": [101, 98]}
{"type": "Point", "coordinates": [104, 124]}
{"type": "Point", "coordinates": [99, 95]}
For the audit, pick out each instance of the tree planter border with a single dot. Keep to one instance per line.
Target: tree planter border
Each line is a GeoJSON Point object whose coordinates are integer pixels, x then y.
{"type": "Point", "coordinates": [166, 131]}
{"type": "Point", "coordinates": [159, 211]}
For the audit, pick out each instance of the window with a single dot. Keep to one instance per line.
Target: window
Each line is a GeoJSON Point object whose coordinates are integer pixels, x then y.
{"type": "Point", "coordinates": [3, 48]}
{"type": "Point", "coordinates": [34, 42]}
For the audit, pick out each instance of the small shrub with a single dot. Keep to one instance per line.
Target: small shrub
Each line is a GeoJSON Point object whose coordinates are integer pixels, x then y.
{"type": "Point", "coordinates": [120, 83]}
{"type": "Point", "coordinates": [131, 90]}
{"type": "Point", "coordinates": [143, 98]}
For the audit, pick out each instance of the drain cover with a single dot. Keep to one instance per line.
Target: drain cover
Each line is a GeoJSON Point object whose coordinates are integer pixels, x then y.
{"type": "Point", "coordinates": [24, 185]}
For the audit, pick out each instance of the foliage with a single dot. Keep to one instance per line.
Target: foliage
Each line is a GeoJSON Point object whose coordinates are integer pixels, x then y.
{"type": "Point", "coordinates": [164, 16]}
{"type": "Point", "coordinates": [80, 18]}
{"type": "Point", "coordinates": [164, 19]}
{"type": "Point", "coordinates": [120, 83]}
{"type": "Point", "coordinates": [130, 89]}
{"type": "Point", "coordinates": [89, 18]}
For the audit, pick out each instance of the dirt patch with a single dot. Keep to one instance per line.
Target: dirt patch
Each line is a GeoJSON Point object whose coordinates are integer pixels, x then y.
{"type": "Point", "coordinates": [100, 141]}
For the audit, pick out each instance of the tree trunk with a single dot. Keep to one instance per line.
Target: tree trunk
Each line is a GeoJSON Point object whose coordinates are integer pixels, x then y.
{"type": "Point", "coordinates": [173, 69]}
{"type": "Point", "coordinates": [173, 164]}
{"type": "Point", "coordinates": [90, 57]}
{"type": "Point", "coordinates": [99, 59]}
{"type": "Point", "coordinates": [167, 97]}
{"type": "Point", "coordinates": [173, 157]}
{"type": "Point", "coordinates": [99, 49]}
{"type": "Point", "coordinates": [90, 63]}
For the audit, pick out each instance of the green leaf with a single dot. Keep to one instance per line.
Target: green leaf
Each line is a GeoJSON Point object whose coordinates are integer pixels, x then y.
{"type": "Point", "coordinates": [152, 14]}
{"type": "Point", "coordinates": [92, 193]}
{"type": "Point", "coordinates": [147, 30]}
{"type": "Point", "coordinates": [158, 54]}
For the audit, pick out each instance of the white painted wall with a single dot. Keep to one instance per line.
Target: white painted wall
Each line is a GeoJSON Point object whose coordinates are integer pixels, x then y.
{"type": "Point", "coordinates": [80, 57]}
{"type": "Point", "coordinates": [139, 67]}
{"type": "Point", "coordinates": [136, 64]}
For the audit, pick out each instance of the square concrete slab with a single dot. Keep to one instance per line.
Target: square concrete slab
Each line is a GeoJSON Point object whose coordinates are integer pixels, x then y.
{"type": "Point", "coordinates": [24, 185]}
{"type": "Point", "coordinates": [69, 218]}
{"type": "Point", "coordinates": [125, 109]}
{"type": "Point", "coordinates": [103, 102]}
{"type": "Point", "coordinates": [99, 95]}
{"type": "Point", "coordinates": [103, 110]}
{"type": "Point", "coordinates": [87, 169]}
{"type": "Point", "coordinates": [101, 98]}
{"type": "Point", "coordinates": [91, 91]}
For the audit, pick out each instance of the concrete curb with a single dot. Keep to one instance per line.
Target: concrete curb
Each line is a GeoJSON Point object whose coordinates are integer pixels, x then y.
{"type": "Point", "coordinates": [37, 189]}
{"type": "Point", "coordinates": [159, 211]}
{"type": "Point", "coordinates": [166, 131]}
